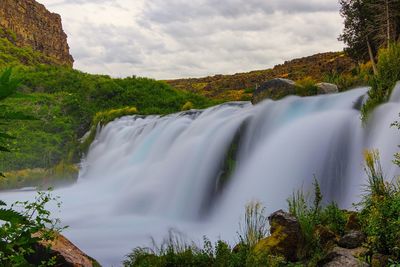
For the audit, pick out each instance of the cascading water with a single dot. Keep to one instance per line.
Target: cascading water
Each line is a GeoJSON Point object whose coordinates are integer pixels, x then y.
{"type": "Point", "coordinates": [145, 175]}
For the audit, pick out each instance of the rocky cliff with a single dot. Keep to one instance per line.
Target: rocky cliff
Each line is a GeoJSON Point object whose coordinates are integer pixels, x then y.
{"type": "Point", "coordinates": [29, 23]}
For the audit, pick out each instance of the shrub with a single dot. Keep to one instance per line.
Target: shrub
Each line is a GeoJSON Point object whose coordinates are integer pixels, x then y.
{"type": "Point", "coordinates": [383, 83]}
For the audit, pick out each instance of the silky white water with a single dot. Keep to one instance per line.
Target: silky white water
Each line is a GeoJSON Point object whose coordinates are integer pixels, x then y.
{"type": "Point", "coordinates": [145, 175]}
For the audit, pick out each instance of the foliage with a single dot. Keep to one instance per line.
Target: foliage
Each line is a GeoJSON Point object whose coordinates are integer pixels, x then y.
{"type": "Point", "coordinates": [21, 230]}
{"type": "Point", "coordinates": [380, 209]}
{"type": "Point", "coordinates": [369, 25]}
{"type": "Point", "coordinates": [388, 73]}
{"type": "Point", "coordinates": [12, 55]}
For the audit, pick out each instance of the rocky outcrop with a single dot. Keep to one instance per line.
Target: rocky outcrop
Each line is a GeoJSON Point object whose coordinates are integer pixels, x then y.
{"type": "Point", "coordinates": [285, 236]}
{"type": "Point", "coordinates": [274, 89]}
{"type": "Point", "coordinates": [31, 24]}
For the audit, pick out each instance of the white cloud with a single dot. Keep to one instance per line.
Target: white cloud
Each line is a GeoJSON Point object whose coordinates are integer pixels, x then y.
{"type": "Point", "coordinates": [179, 38]}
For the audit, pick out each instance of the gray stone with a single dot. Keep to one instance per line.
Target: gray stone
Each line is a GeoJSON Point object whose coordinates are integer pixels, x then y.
{"type": "Point", "coordinates": [352, 239]}
{"type": "Point", "coordinates": [327, 88]}
{"type": "Point", "coordinates": [274, 89]}
{"type": "Point", "coordinates": [340, 257]}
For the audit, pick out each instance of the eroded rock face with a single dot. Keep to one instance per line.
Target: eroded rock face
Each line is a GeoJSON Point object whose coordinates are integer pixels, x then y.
{"type": "Point", "coordinates": [274, 89]}
{"type": "Point", "coordinates": [34, 26]}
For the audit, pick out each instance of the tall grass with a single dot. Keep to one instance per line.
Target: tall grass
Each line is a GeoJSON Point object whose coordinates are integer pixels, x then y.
{"type": "Point", "coordinates": [255, 226]}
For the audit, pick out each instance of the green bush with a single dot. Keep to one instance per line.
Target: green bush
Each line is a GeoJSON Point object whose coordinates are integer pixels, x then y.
{"type": "Point", "coordinates": [383, 83]}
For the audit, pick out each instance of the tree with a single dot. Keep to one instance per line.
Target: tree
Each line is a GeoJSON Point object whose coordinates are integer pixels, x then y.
{"type": "Point", "coordinates": [368, 26]}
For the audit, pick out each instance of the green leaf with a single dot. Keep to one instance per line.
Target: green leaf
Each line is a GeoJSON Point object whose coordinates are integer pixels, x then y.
{"type": "Point", "coordinates": [9, 215]}
{"type": "Point", "coordinates": [2, 203]}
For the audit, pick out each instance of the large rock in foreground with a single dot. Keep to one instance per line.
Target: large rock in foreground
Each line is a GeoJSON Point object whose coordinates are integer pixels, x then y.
{"type": "Point", "coordinates": [285, 236]}
{"type": "Point", "coordinates": [65, 253]}
{"type": "Point", "coordinates": [274, 89]}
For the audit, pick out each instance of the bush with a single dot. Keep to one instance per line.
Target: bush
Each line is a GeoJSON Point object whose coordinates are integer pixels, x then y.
{"type": "Point", "coordinates": [383, 83]}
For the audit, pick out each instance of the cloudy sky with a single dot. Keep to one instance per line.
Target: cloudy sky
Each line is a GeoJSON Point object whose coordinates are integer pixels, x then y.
{"type": "Point", "coordinates": [192, 38]}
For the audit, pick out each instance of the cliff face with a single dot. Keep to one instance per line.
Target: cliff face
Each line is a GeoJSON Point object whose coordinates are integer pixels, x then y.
{"type": "Point", "coordinates": [34, 26]}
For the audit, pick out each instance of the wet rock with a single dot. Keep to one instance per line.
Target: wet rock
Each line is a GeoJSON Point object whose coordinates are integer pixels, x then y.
{"type": "Point", "coordinates": [352, 239]}
{"type": "Point", "coordinates": [274, 89]}
{"type": "Point", "coordinates": [340, 257]}
{"type": "Point", "coordinates": [327, 88]}
{"type": "Point", "coordinates": [285, 236]}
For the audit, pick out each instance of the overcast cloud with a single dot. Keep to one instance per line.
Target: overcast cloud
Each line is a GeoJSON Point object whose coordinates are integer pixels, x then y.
{"type": "Point", "coordinates": [191, 38]}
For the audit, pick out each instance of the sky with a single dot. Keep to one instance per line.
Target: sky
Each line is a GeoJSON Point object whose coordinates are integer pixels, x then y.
{"type": "Point", "coordinates": [165, 39]}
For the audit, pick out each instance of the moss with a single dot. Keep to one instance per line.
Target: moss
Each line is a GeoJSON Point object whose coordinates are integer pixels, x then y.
{"type": "Point", "coordinates": [187, 106]}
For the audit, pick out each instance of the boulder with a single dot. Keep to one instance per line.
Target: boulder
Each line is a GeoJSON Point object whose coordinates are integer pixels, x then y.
{"type": "Point", "coordinates": [284, 239]}
{"type": "Point", "coordinates": [352, 239]}
{"type": "Point", "coordinates": [65, 253]}
{"type": "Point", "coordinates": [327, 88]}
{"type": "Point", "coordinates": [340, 257]}
{"type": "Point", "coordinates": [274, 89]}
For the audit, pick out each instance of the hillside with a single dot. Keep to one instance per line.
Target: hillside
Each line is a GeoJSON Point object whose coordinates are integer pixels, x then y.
{"type": "Point", "coordinates": [240, 86]}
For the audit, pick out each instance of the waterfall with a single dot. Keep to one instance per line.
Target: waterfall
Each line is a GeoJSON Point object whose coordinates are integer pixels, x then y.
{"type": "Point", "coordinates": [195, 171]}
